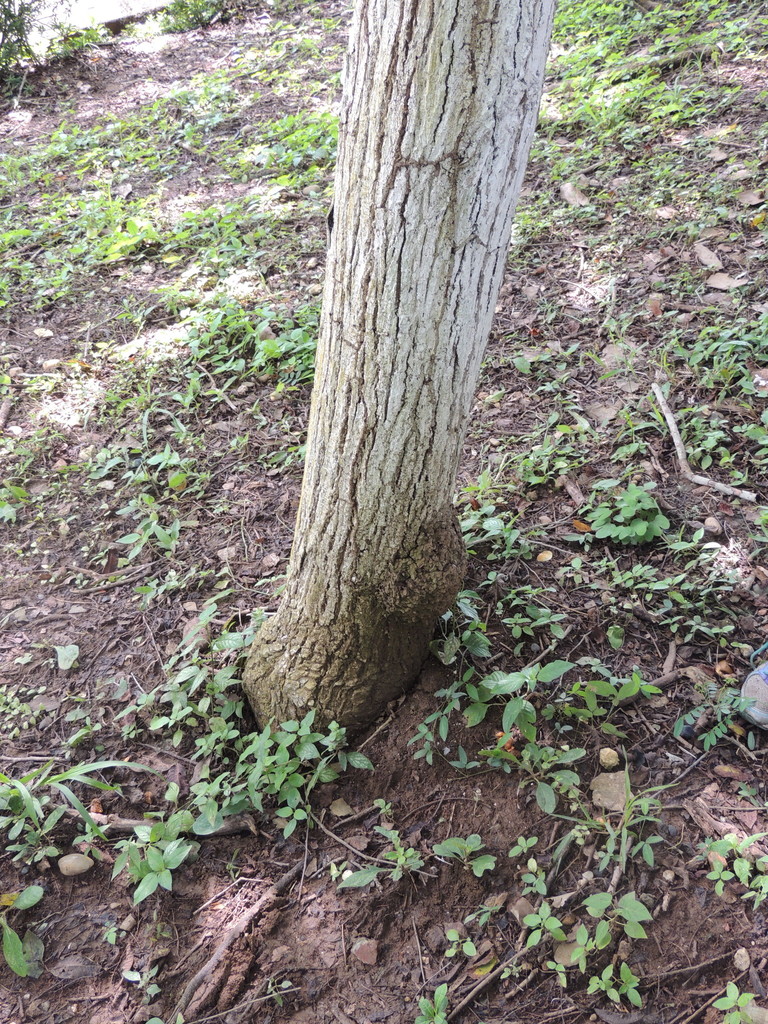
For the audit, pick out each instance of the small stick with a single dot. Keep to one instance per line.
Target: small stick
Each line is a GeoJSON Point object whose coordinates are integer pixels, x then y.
{"type": "Point", "coordinates": [418, 949]}
{"type": "Point", "coordinates": [682, 458]}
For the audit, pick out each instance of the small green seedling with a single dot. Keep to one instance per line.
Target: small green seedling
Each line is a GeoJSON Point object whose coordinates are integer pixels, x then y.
{"type": "Point", "coordinates": [463, 849]}
{"type": "Point", "coordinates": [154, 853]}
{"type": "Point", "coordinates": [403, 860]}
{"type": "Point", "coordinates": [466, 946]}
{"type": "Point", "coordinates": [625, 985]}
{"type": "Point", "coordinates": [435, 1010]}
{"type": "Point", "coordinates": [735, 1003]}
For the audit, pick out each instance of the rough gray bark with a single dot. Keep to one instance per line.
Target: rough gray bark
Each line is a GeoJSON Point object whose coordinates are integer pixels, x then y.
{"type": "Point", "coordinates": [439, 109]}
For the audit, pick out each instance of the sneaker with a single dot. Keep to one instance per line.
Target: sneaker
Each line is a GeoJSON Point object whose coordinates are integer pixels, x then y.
{"type": "Point", "coordinates": [755, 689]}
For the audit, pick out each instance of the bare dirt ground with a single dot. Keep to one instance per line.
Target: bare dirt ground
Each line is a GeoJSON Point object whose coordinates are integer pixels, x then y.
{"type": "Point", "coordinates": [297, 948]}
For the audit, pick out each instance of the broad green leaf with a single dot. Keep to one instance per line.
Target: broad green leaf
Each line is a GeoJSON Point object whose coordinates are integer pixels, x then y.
{"type": "Point", "coordinates": [555, 669]}
{"type": "Point", "coordinates": [545, 797]}
{"type": "Point", "coordinates": [29, 897]}
{"type": "Point", "coordinates": [146, 887]}
{"type": "Point", "coordinates": [597, 904]}
{"type": "Point", "coordinates": [358, 760]}
{"type": "Point", "coordinates": [360, 878]}
{"type": "Point", "coordinates": [67, 656]}
{"type": "Point", "coordinates": [615, 636]}
{"type": "Point", "coordinates": [13, 950]}
{"type": "Point", "coordinates": [482, 864]}
{"type": "Point", "coordinates": [635, 930]}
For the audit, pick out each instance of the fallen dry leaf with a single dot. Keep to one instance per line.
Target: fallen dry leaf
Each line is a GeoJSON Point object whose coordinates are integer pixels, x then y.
{"type": "Point", "coordinates": [572, 195]}
{"type": "Point", "coordinates": [581, 526]}
{"type": "Point", "coordinates": [749, 198]}
{"type": "Point", "coordinates": [731, 771]}
{"type": "Point", "coordinates": [706, 257]}
{"type": "Point", "coordinates": [724, 282]}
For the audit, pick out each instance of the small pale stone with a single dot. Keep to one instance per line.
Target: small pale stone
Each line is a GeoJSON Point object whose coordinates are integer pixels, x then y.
{"type": "Point", "coordinates": [50, 364]}
{"type": "Point", "coordinates": [712, 525]}
{"type": "Point", "coordinates": [563, 953]}
{"type": "Point", "coordinates": [755, 1014]}
{"type": "Point", "coordinates": [127, 924]}
{"type": "Point", "coordinates": [521, 908]}
{"type": "Point", "coordinates": [608, 791]}
{"type": "Point", "coordinates": [609, 759]}
{"type": "Point", "coordinates": [340, 808]}
{"type": "Point", "coordinates": [366, 951]}
{"type": "Point", "coordinates": [668, 875]}
{"type": "Point", "coordinates": [741, 959]}
{"type": "Point", "coordinates": [74, 864]}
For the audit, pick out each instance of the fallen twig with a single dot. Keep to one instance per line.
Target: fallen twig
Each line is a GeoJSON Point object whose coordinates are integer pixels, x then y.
{"type": "Point", "coordinates": [682, 458]}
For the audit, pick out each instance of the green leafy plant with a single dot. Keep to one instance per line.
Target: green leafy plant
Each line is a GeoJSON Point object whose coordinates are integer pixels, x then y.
{"type": "Point", "coordinates": [435, 1010]}
{"type": "Point", "coordinates": [279, 767]}
{"type": "Point", "coordinates": [595, 700]}
{"type": "Point", "coordinates": [403, 859]}
{"type": "Point", "coordinates": [154, 853]}
{"type": "Point", "coordinates": [630, 516]}
{"type": "Point", "coordinates": [543, 923]}
{"type": "Point", "coordinates": [731, 859]}
{"type": "Point", "coordinates": [462, 628]}
{"type": "Point", "coordinates": [22, 956]}
{"type": "Point", "coordinates": [616, 988]}
{"type": "Point", "coordinates": [182, 15]}
{"type": "Point", "coordinates": [456, 943]}
{"type": "Point", "coordinates": [545, 768]}
{"type": "Point", "coordinates": [532, 875]}
{"type": "Point", "coordinates": [735, 1003]}
{"type": "Point", "coordinates": [18, 19]}
{"type": "Point", "coordinates": [463, 850]}
{"type": "Point", "coordinates": [720, 710]}
{"type": "Point", "coordinates": [32, 806]}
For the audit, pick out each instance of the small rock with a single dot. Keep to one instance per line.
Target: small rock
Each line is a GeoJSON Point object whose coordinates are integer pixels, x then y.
{"type": "Point", "coordinates": [755, 1014]}
{"type": "Point", "coordinates": [521, 908]}
{"type": "Point", "coordinates": [127, 924]}
{"type": "Point", "coordinates": [73, 864]}
{"type": "Point", "coordinates": [668, 875]}
{"type": "Point", "coordinates": [50, 364]}
{"type": "Point", "coordinates": [563, 953]}
{"type": "Point", "coordinates": [609, 759]}
{"type": "Point", "coordinates": [366, 951]}
{"type": "Point", "coordinates": [742, 960]}
{"type": "Point", "coordinates": [608, 791]}
{"type": "Point", "coordinates": [227, 554]}
{"type": "Point", "coordinates": [712, 525]}
{"type": "Point", "coordinates": [340, 808]}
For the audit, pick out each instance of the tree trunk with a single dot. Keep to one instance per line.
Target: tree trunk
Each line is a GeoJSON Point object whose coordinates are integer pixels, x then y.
{"type": "Point", "coordinates": [439, 109]}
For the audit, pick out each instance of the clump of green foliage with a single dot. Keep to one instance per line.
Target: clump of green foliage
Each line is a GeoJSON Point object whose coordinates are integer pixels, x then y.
{"type": "Point", "coordinates": [630, 515]}
{"type": "Point", "coordinates": [18, 19]}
